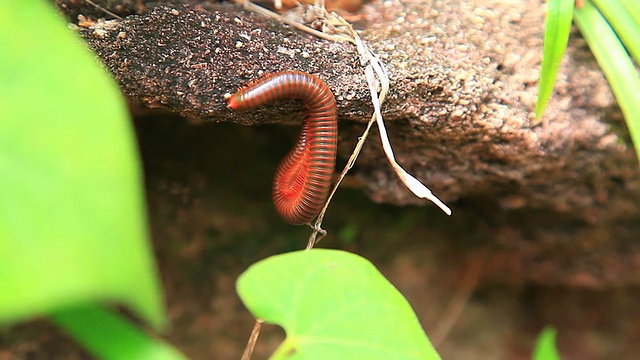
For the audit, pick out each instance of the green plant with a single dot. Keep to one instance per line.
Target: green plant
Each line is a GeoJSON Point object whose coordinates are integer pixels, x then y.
{"type": "Point", "coordinates": [607, 26]}
{"type": "Point", "coordinates": [333, 305]}
{"type": "Point", "coordinates": [612, 31]}
{"type": "Point", "coordinates": [72, 221]}
{"type": "Point", "coordinates": [546, 345]}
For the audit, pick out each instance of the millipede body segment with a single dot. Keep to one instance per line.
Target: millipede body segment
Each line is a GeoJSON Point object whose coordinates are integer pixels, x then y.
{"type": "Point", "coordinates": [303, 178]}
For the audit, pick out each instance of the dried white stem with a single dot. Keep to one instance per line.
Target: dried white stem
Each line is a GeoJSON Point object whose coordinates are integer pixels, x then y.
{"type": "Point", "coordinates": [375, 71]}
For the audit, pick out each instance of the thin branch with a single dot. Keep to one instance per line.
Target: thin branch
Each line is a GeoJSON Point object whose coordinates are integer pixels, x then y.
{"type": "Point", "coordinates": [460, 299]}
{"type": "Point", "coordinates": [253, 339]}
{"type": "Point", "coordinates": [103, 9]}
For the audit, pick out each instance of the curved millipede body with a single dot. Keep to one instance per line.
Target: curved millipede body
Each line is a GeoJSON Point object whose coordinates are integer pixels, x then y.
{"type": "Point", "coordinates": [301, 183]}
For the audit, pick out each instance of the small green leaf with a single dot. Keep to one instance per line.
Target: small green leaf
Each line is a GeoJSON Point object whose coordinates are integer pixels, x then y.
{"type": "Point", "coordinates": [110, 336]}
{"type": "Point", "coordinates": [546, 346]}
{"type": "Point", "coordinates": [616, 65]}
{"type": "Point", "coordinates": [333, 305]}
{"type": "Point", "coordinates": [72, 216]}
{"type": "Point", "coordinates": [556, 37]}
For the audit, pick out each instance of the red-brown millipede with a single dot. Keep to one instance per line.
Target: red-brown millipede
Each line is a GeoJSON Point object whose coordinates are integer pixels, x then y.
{"type": "Point", "coordinates": [301, 183]}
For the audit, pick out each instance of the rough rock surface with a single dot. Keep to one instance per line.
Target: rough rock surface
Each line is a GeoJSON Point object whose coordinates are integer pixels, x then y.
{"type": "Point", "coordinates": [459, 114]}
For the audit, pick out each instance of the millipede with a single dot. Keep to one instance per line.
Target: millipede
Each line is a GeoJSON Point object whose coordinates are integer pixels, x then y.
{"type": "Point", "coordinates": [303, 177]}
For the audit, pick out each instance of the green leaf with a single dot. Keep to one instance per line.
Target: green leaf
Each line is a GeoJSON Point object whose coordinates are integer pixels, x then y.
{"type": "Point", "coordinates": [546, 346]}
{"type": "Point", "coordinates": [633, 8]}
{"type": "Point", "coordinates": [556, 37]}
{"type": "Point", "coordinates": [333, 305]}
{"type": "Point", "coordinates": [616, 65]}
{"type": "Point", "coordinates": [72, 217]}
{"type": "Point", "coordinates": [625, 26]}
{"type": "Point", "coordinates": [109, 336]}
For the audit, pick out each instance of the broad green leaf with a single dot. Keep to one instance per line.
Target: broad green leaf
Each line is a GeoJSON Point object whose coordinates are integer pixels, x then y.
{"type": "Point", "coordinates": [72, 217]}
{"type": "Point", "coordinates": [633, 8]}
{"type": "Point", "coordinates": [546, 346]}
{"type": "Point", "coordinates": [110, 336]}
{"type": "Point", "coordinates": [556, 37]}
{"type": "Point", "coordinates": [622, 21]}
{"type": "Point", "coordinates": [333, 305]}
{"type": "Point", "coordinates": [615, 63]}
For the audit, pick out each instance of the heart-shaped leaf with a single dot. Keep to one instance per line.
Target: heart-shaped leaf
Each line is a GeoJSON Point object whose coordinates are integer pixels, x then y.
{"type": "Point", "coordinates": [333, 305]}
